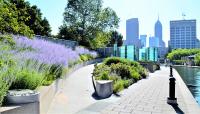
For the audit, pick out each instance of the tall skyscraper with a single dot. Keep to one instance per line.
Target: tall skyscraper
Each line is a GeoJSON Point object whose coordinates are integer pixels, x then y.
{"type": "Point", "coordinates": [153, 42]}
{"type": "Point", "coordinates": [158, 33]}
{"type": "Point", "coordinates": [143, 39]}
{"type": "Point", "coordinates": [132, 32]}
{"type": "Point", "coordinates": [183, 34]}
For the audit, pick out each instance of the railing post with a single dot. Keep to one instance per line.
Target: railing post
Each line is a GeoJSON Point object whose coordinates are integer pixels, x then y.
{"type": "Point", "coordinates": [171, 99]}
{"type": "Point", "coordinates": [125, 51]}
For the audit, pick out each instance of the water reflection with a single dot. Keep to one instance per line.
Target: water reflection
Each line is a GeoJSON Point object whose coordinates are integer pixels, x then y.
{"type": "Point", "coordinates": [191, 76]}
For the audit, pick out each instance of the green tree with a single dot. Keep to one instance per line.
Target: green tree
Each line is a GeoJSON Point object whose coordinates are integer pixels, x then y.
{"type": "Point", "coordinates": [101, 40]}
{"type": "Point", "coordinates": [116, 37]}
{"type": "Point", "coordinates": [32, 17]}
{"type": "Point", "coordinates": [9, 20]}
{"type": "Point", "coordinates": [84, 20]}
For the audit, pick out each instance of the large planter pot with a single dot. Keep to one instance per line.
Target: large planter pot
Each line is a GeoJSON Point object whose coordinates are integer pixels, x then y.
{"type": "Point", "coordinates": [22, 96]}
{"type": "Point", "coordinates": [104, 88]}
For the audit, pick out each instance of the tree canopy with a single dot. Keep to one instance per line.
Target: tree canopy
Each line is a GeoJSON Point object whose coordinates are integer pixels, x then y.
{"type": "Point", "coordinates": [19, 17]}
{"type": "Point", "coordinates": [178, 53]}
{"type": "Point", "coordinates": [86, 21]}
{"type": "Point", "coordinates": [116, 37]}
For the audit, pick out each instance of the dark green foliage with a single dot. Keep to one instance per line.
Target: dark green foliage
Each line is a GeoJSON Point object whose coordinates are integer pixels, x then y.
{"type": "Point", "coordinates": [115, 60]}
{"type": "Point", "coordinates": [10, 20]}
{"type": "Point", "coordinates": [122, 70]}
{"type": "Point", "coordinates": [19, 17]}
{"type": "Point", "coordinates": [86, 21]}
{"type": "Point", "coordinates": [116, 37]}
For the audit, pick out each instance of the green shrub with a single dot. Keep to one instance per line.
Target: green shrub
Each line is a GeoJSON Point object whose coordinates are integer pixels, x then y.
{"type": "Point", "coordinates": [134, 74]}
{"type": "Point", "coordinates": [178, 62]}
{"type": "Point", "coordinates": [26, 79]}
{"type": "Point", "coordinates": [7, 39]}
{"type": "Point", "coordinates": [6, 78]}
{"type": "Point", "coordinates": [197, 59]}
{"type": "Point", "coordinates": [127, 83]}
{"type": "Point", "coordinates": [121, 69]}
{"type": "Point", "coordinates": [116, 60]}
{"type": "Point", "coordinates": [3, 90]}
{"type": "Point", "coordinates": [86, 57]}
{"type": "Point", "coordinates": [118, 86]}
{"type": "Point", "coordinates": [100, 69]}
{"type": "Point", "coordinates": [123, 72]}
{"type": "Point", "coordinates": [142, 71]}
{"type": "Point", "coordinates": [104, 76]}
{"type": "Point", "coordinates": [7, 70]}
{"type": "Point", "coordinates": [114, 77]}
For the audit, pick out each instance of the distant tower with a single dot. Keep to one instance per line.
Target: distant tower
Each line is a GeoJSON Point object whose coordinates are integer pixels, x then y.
{"type": "Point", "coordinates": [158, 32]}
{"type": "Point", "coordinates": [132, 32]}
{"type": "Point", "coordinates": [143, 40]}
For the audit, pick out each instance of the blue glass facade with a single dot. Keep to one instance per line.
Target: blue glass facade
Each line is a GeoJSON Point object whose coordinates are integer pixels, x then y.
{"type": "Point", "coordinates": [133, 53]}
{"type": "Point", "coordinates": [183, 34]}
{"type": "Point", "coordinates": [148, 54]}
{"type": "Point", "coordinates": [152, 54]}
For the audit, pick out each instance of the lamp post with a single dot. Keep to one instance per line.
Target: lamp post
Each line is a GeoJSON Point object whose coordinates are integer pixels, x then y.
{"type": "Point", "coordinates": [171, 99]}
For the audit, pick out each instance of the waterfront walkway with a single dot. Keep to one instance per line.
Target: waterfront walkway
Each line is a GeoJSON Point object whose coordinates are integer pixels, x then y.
{"type": "Point", "coordinates": [147, 96]}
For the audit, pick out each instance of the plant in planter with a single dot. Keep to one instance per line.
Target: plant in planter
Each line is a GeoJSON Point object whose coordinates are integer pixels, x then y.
{"type": "Point", "coordinates": [104, 86]}
{"type": "Point", "coordinates": [122, 72]}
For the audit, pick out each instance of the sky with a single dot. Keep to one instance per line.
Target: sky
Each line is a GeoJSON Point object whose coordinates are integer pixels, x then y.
{"type": "Point", "coordinates": [147, 11]}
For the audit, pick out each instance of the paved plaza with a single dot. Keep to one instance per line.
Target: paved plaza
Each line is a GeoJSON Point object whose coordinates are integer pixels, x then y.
{"type": "Point", "coordinates": [147, 96]}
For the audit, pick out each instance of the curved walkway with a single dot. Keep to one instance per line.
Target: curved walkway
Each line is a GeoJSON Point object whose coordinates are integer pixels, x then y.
{"type": "Point", "coordinates": [77, 94]}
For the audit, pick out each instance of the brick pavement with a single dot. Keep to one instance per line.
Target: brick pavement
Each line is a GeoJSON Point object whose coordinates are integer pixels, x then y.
{"type": "Point", "coordinates": [149, 96]}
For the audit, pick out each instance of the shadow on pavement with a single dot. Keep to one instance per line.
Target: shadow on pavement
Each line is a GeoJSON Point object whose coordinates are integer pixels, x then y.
{"type": "Point", "coordinates": [96, 97]}
{"type": "Point", "coordinates": [177, 109]}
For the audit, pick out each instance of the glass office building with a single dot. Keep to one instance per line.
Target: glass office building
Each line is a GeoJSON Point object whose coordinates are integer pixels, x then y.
{"type": "Point", "coordinates": [183, 34]}
{"type": "Point", "coordinates": [148, 54]}
{"type": "Point", "coordinates": [130, 52]}
{"type": "Point", "coordinates": [133, 53]}
{"type": "Point", "coordinates": [132, 32]}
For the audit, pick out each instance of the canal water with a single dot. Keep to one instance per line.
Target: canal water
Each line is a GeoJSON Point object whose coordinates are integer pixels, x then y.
{"type": "Point", "coordinates": [191, 76]}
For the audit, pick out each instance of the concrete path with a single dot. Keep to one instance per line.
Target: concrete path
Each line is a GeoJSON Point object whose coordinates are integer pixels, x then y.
{"type": "Point", "coordinates": [149, 96]}
{"type": "Point", "coordinates": [76, 93]}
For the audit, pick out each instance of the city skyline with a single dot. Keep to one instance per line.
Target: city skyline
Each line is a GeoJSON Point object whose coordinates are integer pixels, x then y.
{"type": "Point", "coordinates": [146, 11]}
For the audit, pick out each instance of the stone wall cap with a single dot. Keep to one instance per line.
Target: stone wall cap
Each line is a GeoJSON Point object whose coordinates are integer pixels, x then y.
{"type": "Point", "coordinates": [104, 81]}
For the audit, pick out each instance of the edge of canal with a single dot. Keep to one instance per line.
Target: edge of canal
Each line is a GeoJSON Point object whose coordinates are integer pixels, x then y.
{"type": "Point", "coordinates": [191, 104]}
